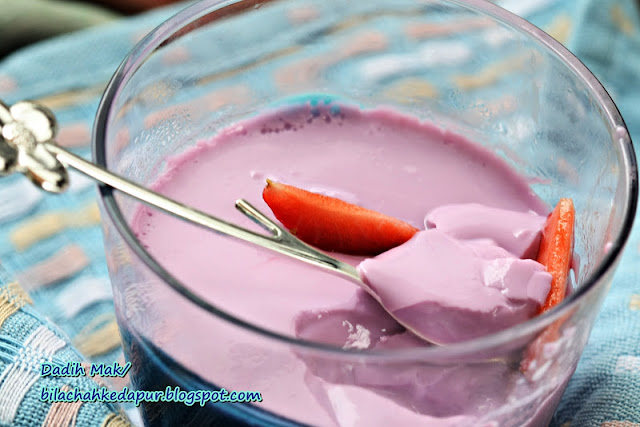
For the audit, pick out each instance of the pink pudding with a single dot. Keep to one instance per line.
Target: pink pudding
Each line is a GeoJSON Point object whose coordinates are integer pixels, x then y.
{"type": "Point", "coordinates": [468, 274]}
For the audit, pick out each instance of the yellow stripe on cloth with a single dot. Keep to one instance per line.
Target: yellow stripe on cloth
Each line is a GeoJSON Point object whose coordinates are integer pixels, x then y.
{"type": "Point", "coordinates": [411, 90]}
{"type": "Point", "coordinates": [52, 223]}
{"type": "Point", "coordinates": [493, 72]}
{"type": "Point", "coordinates": [560, 28]}
{"type": "Point", "coordinates": [72, 97]}
{"type": "Point", "coordinates": [12, 299]}
{"type": "Point", "coordinates": [115, 420]}
{"type": "Point", "coordinates": [93, 342]}
{"type": "Point", "coordinates": [621, 20]}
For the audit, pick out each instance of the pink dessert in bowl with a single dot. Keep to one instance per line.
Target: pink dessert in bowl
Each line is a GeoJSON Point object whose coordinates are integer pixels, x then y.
{"type": "Point", "coordinates": [467, 166]}
{"type": "Point", "coordinates": [464, 277]}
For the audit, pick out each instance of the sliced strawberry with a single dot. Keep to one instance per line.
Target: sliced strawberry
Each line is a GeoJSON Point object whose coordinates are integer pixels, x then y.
{"type": "Point", "coordinates": [332, 224]}
{"type": "Point", "coordinates": [556, 250]}
{"type": "Point", "coordinates": [556, 254]}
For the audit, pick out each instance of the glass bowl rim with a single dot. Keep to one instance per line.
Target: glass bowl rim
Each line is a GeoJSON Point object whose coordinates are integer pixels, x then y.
{"type": "Point", "coordinates": [193, 12]}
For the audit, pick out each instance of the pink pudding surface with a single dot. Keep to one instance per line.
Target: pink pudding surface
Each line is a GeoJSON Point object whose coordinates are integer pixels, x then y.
{"type": "Point", "coordinates": [466, 275]}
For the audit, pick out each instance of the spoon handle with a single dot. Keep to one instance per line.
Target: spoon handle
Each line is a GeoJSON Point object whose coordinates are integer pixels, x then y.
{"type": "Point", "coordinates": [29, 148]}
{"type": "Point", "coordinates": [280, 240]}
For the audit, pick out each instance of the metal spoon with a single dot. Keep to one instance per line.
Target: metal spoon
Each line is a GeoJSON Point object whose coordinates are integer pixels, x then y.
{"type": "Point", "coordinates": [27, 146]}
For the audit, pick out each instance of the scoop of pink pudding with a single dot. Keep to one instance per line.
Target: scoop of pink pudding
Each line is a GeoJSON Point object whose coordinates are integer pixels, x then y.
{"type": "Point", "coordinates": [517, 232]}
{"type": "Point", "coordinates": [447, 289]}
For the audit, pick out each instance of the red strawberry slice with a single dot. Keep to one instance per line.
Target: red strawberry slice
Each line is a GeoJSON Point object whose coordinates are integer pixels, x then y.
{"type": "Point", "coordinates": [556, 250]}
{"type": "Point", "coordinates": [332, 224]}
{"type": "Point", "coordinates": [555, 253]}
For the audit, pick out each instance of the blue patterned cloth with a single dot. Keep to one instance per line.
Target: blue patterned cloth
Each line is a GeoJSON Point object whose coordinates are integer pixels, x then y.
{"type": "Point", "coordinates": [63, 310]}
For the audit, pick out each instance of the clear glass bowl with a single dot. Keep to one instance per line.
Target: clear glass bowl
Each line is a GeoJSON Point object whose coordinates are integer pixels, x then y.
{"type": "Point", "coordinates": [466, 66]}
